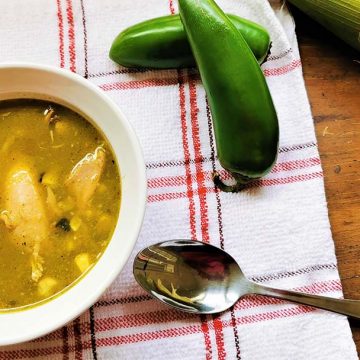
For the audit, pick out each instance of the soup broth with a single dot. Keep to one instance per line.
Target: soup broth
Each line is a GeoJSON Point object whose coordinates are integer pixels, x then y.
{"type": "Point", "coordinates": [59, 199]}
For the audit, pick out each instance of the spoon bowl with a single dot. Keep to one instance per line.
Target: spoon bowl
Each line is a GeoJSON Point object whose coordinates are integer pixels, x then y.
{"type": "Point", "coordinates": [200, 278]}
{"type": "Point", "coordinates": [181, 274]}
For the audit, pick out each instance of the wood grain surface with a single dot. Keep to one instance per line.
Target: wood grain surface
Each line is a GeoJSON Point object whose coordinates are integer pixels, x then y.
{"type": "Point", "coordinates": [332, 77]}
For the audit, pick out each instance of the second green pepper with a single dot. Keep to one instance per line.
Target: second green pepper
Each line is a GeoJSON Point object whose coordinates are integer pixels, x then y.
{"type": "Point", "coordinates": [161, 43]}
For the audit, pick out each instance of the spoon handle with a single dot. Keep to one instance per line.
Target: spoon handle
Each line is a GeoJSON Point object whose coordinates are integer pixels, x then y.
{"type": "Point", "coordinates": [340, 306]}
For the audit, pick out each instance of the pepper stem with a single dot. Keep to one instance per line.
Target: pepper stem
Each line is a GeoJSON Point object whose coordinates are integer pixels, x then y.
{"type": "Point", "coordinates": [240, 183]}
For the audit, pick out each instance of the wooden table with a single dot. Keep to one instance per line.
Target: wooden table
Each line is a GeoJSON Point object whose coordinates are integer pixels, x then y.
{"type": "Point", "coordinates": [332, 77]}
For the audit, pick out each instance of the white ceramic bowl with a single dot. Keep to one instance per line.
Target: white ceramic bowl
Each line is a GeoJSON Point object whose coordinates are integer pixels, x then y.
{"type": "Point", "coordinates": [50, 83]}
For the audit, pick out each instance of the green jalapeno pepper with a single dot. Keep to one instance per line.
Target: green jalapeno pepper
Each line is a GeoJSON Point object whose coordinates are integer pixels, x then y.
{"type": "Point", "coordinates": [161, 43]}
{"type": "Point", "coordinates": [244, 117]}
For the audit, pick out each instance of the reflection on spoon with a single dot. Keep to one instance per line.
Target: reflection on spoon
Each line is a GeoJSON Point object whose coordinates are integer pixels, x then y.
{"type": "Point", "coordinates": [196, 277]}
{"type": "Point", "coordinates": [173, 293]}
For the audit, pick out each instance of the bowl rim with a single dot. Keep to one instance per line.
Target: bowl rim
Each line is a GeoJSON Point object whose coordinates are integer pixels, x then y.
{"type": "Point", "coordinates": [111, 274]}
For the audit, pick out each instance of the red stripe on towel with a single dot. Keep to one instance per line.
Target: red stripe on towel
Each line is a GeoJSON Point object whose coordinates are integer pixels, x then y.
{"type": "Point", "coordinates": [71, 35]}
{"type": "Point", "coordinates": [61, 34]}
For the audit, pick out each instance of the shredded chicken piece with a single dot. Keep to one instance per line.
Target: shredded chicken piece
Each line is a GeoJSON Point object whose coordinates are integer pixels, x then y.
{"type": "Point", "coordinates": [5, 217]}
{"type": "Point", "coordinates": [25, 215]}
{"type": "Point", "coordinates": [85, 176]}
{"type": "Point", "coordinates": [50, 116]}
{"type": "Point", "coordinates": [52, 203]}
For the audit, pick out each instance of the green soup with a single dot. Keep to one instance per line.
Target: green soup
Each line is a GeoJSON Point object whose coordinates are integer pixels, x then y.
{"type": "Point", "coordinates": [59, 200]}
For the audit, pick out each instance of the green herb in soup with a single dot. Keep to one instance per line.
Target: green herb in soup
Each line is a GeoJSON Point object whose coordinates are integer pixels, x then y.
{"type": "Point", "coordinates": [59, 199]}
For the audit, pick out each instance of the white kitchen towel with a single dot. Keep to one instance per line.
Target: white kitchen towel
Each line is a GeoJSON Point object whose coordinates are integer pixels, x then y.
{"type": "Point", "coordinates": [277, 229]}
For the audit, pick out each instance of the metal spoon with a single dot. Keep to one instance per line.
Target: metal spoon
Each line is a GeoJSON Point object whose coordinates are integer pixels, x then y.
{"type": "Point", "coordinates": [199, 278]}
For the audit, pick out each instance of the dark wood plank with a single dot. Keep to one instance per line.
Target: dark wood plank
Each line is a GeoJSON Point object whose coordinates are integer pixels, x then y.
{"type": "Point", "coordinates": [332, 77]}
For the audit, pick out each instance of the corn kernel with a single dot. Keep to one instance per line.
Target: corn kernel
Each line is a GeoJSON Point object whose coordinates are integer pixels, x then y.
{"type": "Point", "coordinates": [62, 127]}
{"type": "Point", "coordinates": [47, 286]}
{"type": "Point", "coordinates": [104, 224]}
{"type": "Point", "coordinates": [82, 261]}
{"type": "Point", "coordinates": [50, 179]}
{"type": "Point", "coordinates": [75, 223]}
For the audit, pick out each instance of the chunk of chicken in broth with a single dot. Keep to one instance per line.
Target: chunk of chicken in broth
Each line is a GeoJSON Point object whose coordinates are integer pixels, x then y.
{"type": "Point", "coordinates": [25, 214]}
{"type": "Point", "coordinates": [85, 176]}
